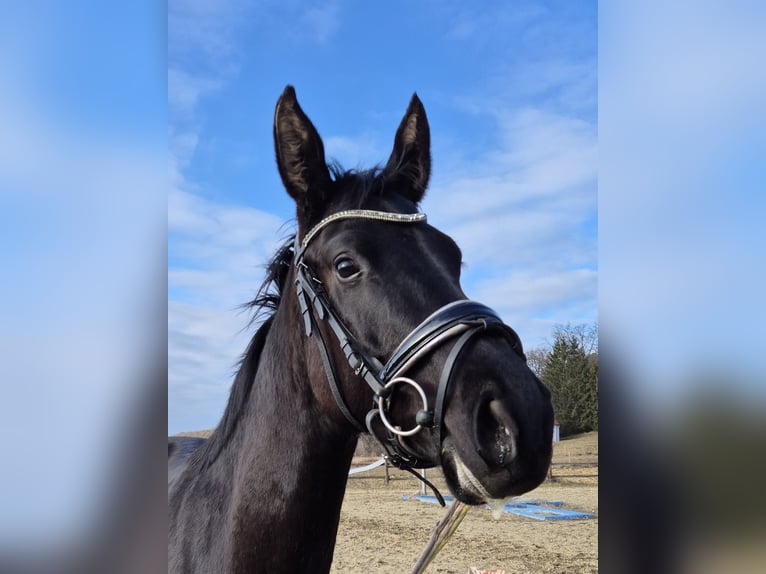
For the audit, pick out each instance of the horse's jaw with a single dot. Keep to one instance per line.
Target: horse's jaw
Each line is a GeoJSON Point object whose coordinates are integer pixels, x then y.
{"type": "Point", "coordinates": [464, 485]}
{"type": "Point", "coordinates": [473, 482]}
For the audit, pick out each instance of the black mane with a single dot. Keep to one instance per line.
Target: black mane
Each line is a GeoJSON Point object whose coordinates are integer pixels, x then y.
{"type": "Point", "coordinates": [359, 185]}
{"type": "Point", "coordinates": [269, 294]}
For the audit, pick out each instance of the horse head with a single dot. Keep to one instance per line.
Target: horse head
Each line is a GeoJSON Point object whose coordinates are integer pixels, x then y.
{"type": "Point", "coordinates": [394, 346]}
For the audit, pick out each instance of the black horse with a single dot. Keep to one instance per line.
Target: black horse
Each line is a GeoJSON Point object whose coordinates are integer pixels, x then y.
{"type": "Point", "coordinates": [367, 330]}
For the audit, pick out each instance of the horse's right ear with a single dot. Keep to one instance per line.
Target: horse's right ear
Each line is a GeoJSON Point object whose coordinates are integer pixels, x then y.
{"type": "Point", "coordinates": [300, 153]}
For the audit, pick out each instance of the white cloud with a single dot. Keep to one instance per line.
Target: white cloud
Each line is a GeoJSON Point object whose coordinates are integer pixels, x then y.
{"type": "Point", "coordinates": [185, 90]}
{"type": "Point", "coordinates": [204, 344]}
{"type": "Point", "coordinates": [217, 252]}
{"type": "Point", "coordinates": [213, 226]}
{"type": "Point", "coordinates": [534, 299]}
{"type": "Point", "coordinates": [202, 60]}
{"type": "Point", "coordinates": [522, 237]}
{"type": "Point", "coordinates": [479, 24]}
{"type": "Point", "coordinates": [204, 29]}
{"type": "Point", "coordinates": [569, 83]}
{"type": "Point", "coordinates": [322, 21]}
{"type": "Point", "coordinates": [535, 291]}
{"type": "Point", "coordinates": [549, 141]}
{"type": "Point", "coordinates": [528, 201]}
{"type": "Point", "coordinates": [541, 155]}
{"type": "Point", "coordinates": [520, 216]}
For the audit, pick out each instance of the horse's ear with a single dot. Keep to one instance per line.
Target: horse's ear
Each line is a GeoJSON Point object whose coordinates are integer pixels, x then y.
{"type": "Point", "coordinates": [411, 158]}
{"type": "Point", "coordinates": [300, 153]}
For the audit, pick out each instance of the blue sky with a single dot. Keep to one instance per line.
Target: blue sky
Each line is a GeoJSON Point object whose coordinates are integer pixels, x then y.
{"type": "Point", "coordinates": [511, 94]}
{"type": "Point", "coordinates": [510, 90]}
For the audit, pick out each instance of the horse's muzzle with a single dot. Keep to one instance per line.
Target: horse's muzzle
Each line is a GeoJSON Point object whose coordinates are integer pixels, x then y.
{"type": "Point", "coordinates": [501, 454]}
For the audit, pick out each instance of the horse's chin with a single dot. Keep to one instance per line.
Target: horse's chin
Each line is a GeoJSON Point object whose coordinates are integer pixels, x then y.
{"type": "Point", "coordinates": [461, 481]}
{"type": "Point", "coordinates": [478, 485]}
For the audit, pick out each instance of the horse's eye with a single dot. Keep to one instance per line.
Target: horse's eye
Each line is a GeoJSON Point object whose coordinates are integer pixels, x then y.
{"type": "Point", "coordinates": [346, 268]}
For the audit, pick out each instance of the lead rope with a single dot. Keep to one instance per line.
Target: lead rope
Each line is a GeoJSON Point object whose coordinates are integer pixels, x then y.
{"type": "Point", "coordinates": [440, 535]}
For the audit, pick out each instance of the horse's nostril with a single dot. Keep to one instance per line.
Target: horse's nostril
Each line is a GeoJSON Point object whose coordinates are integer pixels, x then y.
{"type": "Point", "coordinates": [496, 433]}
{"type": "Point", "coordinates": [502, 416]}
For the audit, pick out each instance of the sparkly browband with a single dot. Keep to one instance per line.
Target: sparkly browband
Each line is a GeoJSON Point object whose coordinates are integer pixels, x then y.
{"type": "Point", "coordinates": [362, 214]}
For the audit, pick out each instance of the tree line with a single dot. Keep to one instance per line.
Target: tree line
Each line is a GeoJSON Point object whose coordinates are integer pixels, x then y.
{"type": "Point", "coordinates": [569, 368]}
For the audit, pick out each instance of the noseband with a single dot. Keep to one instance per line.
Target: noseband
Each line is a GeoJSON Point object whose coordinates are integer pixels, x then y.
{"type": "Point", "coordinates": [463, 319]}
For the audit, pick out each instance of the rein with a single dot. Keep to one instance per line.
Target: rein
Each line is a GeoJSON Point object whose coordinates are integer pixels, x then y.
{"type": "Point", "coordinates": [462, 319]}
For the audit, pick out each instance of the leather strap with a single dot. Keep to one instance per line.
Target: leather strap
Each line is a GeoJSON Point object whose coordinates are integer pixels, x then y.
{"type": "Point", "coordinates": [457, 313]}
{"type": "Point", "coordinates": [331, 379]}
{"type": "Point", "coordinates": [445, 378]}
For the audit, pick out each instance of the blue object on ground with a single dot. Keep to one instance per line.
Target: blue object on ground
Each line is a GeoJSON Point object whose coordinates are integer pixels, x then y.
{"type": "Point", "coordinates": [528, 507]}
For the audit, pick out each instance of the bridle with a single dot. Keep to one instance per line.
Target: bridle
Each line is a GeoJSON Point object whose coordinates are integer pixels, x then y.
{"type": "Point", "coordinates": [463, 319]}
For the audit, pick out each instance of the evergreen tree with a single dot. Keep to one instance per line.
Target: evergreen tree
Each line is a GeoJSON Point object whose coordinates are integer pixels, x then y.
{"type": "Point", "coordinates": [571, 375]}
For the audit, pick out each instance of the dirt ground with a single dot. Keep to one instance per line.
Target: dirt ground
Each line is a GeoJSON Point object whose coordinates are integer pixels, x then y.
{"type": "Point", "coordinates": [382, 532]}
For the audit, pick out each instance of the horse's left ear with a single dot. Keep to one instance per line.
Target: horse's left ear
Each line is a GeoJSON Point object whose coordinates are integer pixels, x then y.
{"type": "Point", "coordinates": [411, 158]}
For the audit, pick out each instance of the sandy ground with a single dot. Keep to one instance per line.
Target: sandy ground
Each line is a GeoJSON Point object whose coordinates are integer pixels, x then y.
{"type": "Point", "coordinates": [382, 532]}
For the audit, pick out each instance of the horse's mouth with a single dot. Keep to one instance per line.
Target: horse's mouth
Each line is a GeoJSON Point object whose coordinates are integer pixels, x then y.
{"type": "Point", "coordinates": [472, 481]}
{"type": "Point", "coordinates": [478, 469]}
{"type": "Point", "coordinates": [461, 480]}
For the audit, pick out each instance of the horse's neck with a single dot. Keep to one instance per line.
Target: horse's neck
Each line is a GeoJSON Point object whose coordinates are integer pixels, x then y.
{"type": "Point", "coordinates": [290, 474]}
